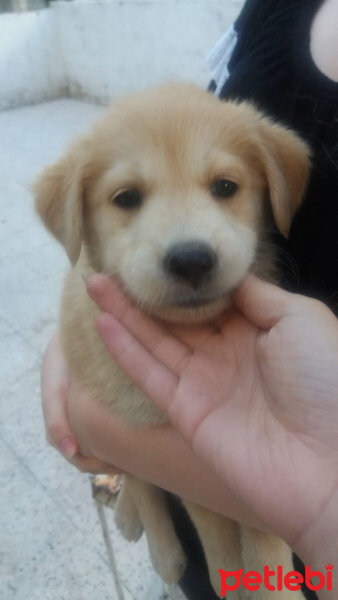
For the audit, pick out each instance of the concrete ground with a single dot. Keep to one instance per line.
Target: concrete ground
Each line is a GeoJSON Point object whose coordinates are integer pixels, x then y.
{"type": "Point", "coordinates": [51, 545]}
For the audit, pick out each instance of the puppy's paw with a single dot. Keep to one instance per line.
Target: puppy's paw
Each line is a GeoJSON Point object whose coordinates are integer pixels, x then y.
{"type": "Point", "coordinates": [168, 560]}
{"type": "Point", "coordinates": [130, 526]}
{"type": "Point", "coordinates": [127, 517]}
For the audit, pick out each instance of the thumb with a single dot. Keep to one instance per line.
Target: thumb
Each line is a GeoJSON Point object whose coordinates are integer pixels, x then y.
{"type": "Point", "coordinates": [261, 302]}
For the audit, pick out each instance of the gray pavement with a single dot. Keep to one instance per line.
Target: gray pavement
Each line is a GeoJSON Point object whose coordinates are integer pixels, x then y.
{"type": "Point", "coordinates": [51, 545]}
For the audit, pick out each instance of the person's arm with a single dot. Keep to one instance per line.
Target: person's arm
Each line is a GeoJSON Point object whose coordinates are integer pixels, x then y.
{"type": "Point", "coordinates": [256, 399]}
{"type": "Point", "coordinates": [156, 454]}
{"type": "Point", "coordinates": [324, 39]}
{"type": "Point", "coordinates": [319, 546]}
{"type": "Point", "coordinates": [91, 438]}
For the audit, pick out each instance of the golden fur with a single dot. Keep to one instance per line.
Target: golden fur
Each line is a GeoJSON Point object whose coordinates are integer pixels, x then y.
{"type": "Point", "coordinates": [171, 144]}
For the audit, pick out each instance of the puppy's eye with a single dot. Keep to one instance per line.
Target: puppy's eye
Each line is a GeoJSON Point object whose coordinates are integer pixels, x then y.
{"type": "Point", "coordinates": [223, 188]}
{"type": "Point", "coordinates": [128, 198]}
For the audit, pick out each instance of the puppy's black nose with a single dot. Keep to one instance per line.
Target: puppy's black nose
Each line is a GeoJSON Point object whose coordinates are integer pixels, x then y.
{"type": "Point", "coordinates": [191, 262]}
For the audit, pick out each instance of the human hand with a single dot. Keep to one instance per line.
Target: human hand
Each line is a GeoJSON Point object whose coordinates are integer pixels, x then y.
{"type": "Point", "coordinates": [256, 399]}
{"type": "Point", "coordinates": [91, 438]}
{"type": "Point", "coordinates": [57, 389]}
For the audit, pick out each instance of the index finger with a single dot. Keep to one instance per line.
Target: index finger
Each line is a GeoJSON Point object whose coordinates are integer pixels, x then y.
{"type": "Point", "coordinates": [163, 346]}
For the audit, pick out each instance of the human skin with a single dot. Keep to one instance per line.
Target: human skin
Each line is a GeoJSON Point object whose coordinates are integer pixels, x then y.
{"type": "Point", "coordinates": [95, 441]}
{"type": "Point", "coordinates": [164, 448]}
{"type": "Point", "coordinates": [255, 400]}
{"type": "Point", "coordinates": [324, 39]}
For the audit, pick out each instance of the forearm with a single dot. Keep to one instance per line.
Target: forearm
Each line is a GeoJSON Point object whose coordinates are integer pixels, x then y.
{"type": "Point", "coordinates": [158, 455]}
{"type": "Point", "coordinates": [319, 547]}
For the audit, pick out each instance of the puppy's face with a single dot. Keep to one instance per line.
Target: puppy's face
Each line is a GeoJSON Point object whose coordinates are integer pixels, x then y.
{"type": "Point", "coordinates": [169, 193]}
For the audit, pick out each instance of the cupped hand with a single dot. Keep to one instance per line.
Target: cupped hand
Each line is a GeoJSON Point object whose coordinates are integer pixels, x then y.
{"type": "Point", "coordinates": [93, 439]}
{"type": "Point", "coordinates": [255, 396]}
{"type": "Point", "coordinates": [57, 389]}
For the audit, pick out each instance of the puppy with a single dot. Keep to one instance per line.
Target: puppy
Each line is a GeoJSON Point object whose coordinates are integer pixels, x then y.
{"type": "Point", "coordinates": [174, 193]}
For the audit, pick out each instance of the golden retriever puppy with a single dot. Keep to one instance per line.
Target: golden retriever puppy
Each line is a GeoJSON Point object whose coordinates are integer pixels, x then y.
{"type": "Point", "coordinates": [173, 193]}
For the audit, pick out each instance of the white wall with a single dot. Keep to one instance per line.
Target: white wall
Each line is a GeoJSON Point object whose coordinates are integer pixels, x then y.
{"type": "Point", "coordinates": [31, 65]}
{"type": "Point", "coordinates": [99, 49]}
{"type": "Point", "coordinates": [113, 47]}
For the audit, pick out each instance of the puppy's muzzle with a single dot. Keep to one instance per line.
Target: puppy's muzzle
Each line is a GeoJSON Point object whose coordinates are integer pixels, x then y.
{"type": "Point", "coordinates": [191, 263]}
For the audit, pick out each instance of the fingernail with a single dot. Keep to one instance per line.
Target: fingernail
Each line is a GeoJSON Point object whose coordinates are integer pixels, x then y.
{"type": "Point", "coordinates": [68, 447]}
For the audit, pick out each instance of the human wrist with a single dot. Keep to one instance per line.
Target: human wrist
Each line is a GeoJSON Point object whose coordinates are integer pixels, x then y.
{"type": "Point", "coordinates": [318, 548]}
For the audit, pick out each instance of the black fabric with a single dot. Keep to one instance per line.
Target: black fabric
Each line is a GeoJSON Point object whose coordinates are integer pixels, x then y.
{"type": "Point", "coordinates": [195, 581]}
{"type": "Point", "coordinates": [272, 66]}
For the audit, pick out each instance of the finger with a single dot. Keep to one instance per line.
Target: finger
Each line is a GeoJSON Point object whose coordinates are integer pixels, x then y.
{"type": "Point", "coordinates": [153, 377]}
{"type": "Point", "coordinates": [58, 431]}
{"type": "Point", "coordinates": [161, 344]}
{"type": "Point", "coordinates": [54, 394]}
{"type": "Point", "coordinates": [263, 303]}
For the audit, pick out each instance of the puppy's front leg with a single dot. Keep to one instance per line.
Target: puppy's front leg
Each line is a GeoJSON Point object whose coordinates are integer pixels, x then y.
{"type": "Point", "coordinates": [260, 549]}
{"type": "Point", "coordinates": [220, 539]}
{"type": "Point", "coordinates": [126, 515]}
{"type": "Point", "coordinates": [143, 503]}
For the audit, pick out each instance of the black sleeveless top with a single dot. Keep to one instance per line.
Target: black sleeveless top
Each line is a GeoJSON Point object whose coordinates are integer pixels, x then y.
{"type": "Point", "coordinates": [271, 64]}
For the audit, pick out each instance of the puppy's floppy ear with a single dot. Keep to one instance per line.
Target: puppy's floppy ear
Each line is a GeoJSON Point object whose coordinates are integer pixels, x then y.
{"type": "Point", "coordinates": [59, 195]}
{"type": "Point", "coordinates": [286, 164]}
